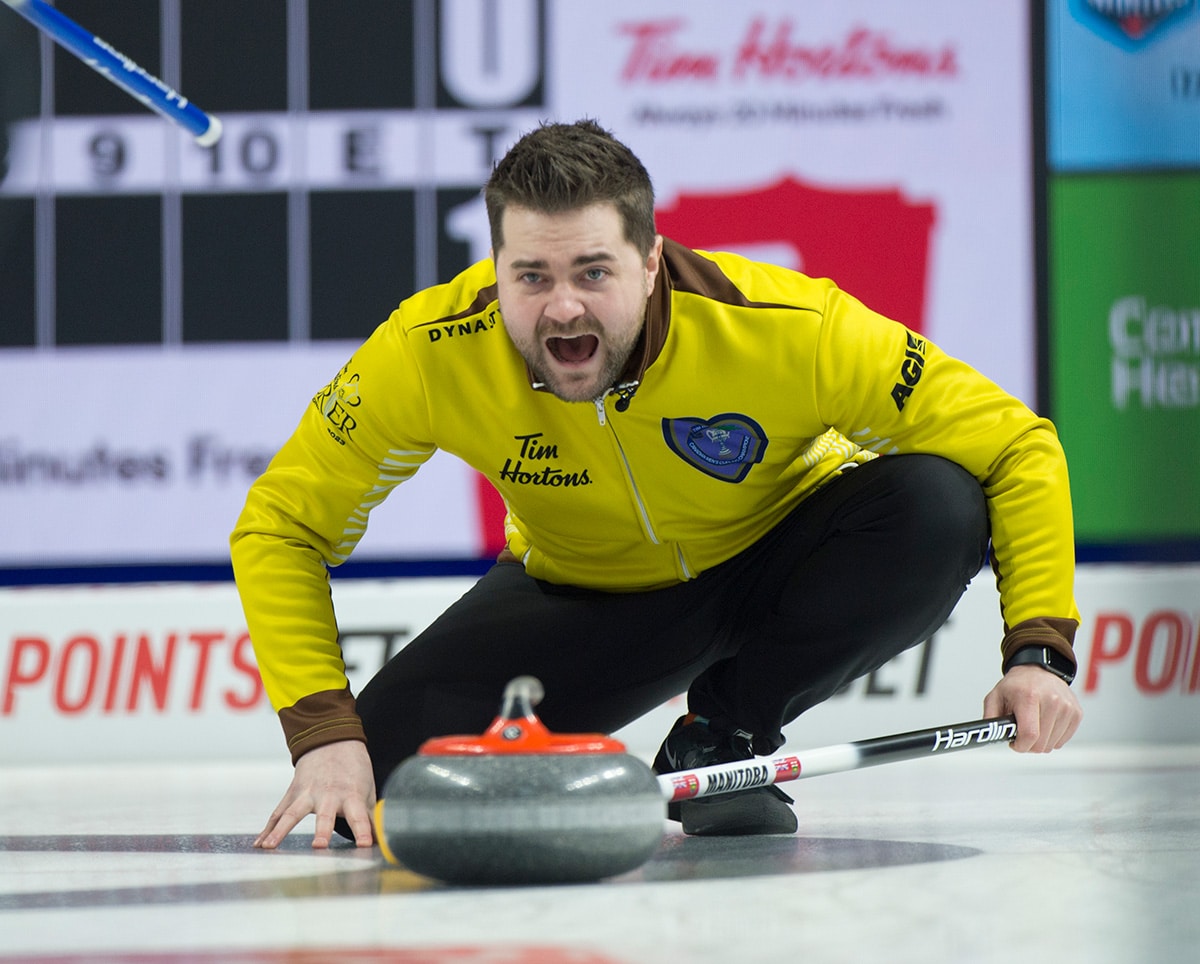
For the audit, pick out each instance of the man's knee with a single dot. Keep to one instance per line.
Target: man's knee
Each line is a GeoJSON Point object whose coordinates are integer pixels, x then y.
{"type": "Point", "coordinates": [952, 489]}
{"type": "Point", "coordinates": [944, 506]}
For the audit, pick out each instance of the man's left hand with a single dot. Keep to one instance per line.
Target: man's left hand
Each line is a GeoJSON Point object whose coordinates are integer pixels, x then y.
{"type": "Point", "coordinates": [1047, 712]}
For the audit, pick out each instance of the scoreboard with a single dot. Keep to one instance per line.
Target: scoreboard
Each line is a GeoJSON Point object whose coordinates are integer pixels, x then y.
{"type": "Point", "coordinates": [357, 135]}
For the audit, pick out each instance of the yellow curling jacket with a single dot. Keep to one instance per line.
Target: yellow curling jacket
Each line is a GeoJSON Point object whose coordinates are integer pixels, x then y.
{"type": "Point", "coordinates": [753, 384]}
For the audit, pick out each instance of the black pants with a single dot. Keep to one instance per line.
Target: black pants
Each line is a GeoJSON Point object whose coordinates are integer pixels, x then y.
{"type": "Point", "coordinates": [867, 567]}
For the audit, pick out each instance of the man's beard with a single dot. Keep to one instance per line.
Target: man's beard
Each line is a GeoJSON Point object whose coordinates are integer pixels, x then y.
{"type": "Point", "coordinates": [573, 389]}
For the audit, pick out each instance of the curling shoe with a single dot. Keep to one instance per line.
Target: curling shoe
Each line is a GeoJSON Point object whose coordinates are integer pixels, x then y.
{"type": "Point", "coordinates": [694, 742]}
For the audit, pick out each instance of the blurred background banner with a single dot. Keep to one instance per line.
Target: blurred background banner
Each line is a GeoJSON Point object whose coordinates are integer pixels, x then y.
{"type": "Point", "coordinates": [1126, 380]}
{"type": "Point", "coordinates": [1123, 84]}
{"type": "Point", "coordinates": [1123, 188]}
{"type": "Point", "coordinates": [168, 309]}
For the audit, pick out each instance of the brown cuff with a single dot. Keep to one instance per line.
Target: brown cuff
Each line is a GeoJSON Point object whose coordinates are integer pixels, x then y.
{"type": "Point", "coordinates": [320, 718]}
{"type": "Point", "coordinates": [1052, 631]}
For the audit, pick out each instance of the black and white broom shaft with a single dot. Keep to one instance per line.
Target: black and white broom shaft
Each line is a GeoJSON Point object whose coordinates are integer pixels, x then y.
{"type": "Point", "coordinates": [764, 771]}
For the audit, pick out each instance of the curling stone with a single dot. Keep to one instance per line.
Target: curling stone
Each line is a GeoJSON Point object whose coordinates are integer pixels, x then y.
{"type": "Point", "coordinates": [519, 804]}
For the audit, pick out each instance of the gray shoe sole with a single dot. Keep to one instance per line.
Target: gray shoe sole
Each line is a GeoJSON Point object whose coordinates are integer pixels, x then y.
{"type": "Point", "coordinates": [748, 813]}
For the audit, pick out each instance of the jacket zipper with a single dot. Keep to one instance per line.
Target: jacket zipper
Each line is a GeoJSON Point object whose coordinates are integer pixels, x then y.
{"type": "Point", "coordinates": [602, 415]}
{"type": "Point", "coordinates": [637, 495]}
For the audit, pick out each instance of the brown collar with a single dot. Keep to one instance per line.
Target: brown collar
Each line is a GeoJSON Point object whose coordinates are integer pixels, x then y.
{"type": "Point", "coordinates": [654, 330]}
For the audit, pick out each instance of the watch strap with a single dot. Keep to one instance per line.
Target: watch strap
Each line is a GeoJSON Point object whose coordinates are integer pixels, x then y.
{"type": "Point", "coordinates": [1046, 657]}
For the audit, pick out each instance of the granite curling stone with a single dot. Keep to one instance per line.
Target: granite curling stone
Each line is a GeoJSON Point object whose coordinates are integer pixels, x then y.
{"type": "Point", "coordinates": [520, 804]}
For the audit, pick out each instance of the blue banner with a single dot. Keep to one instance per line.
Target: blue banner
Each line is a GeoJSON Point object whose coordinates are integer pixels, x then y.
{"type": "Point", "coordinates": [1123, 80]}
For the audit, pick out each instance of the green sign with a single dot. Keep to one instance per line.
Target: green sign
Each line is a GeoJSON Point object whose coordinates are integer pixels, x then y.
{"type": "Point", "coordinates": [1125, 351]}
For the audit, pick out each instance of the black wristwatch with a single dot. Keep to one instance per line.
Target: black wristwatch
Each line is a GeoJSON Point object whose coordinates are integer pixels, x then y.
{"type": "Point", "coordinates": [1048, 659]}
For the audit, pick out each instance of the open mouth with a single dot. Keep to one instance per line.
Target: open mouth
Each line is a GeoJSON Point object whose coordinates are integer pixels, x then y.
{"type": "Point", "coordinates": [573, 350]}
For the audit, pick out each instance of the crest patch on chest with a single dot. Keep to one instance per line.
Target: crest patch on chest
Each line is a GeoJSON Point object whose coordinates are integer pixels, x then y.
{"type": "Point", "coordinates": [725, 446]}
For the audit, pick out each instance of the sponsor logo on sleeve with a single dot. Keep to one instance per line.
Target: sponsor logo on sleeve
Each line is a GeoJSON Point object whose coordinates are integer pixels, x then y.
{"type": "Point", "coordinates": [911, 369]}
{"type": "Point", "coordinates": [447, 331]}
{"type": "Point", "coordinates": [337, 402]}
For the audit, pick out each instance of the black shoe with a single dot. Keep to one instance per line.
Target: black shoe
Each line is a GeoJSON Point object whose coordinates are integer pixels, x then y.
{"type": "Point", "coordinates": [760, 810]}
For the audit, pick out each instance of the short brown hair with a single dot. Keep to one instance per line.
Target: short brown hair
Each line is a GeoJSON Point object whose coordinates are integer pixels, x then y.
{"type": "Point", "coordinates": [563, 167]}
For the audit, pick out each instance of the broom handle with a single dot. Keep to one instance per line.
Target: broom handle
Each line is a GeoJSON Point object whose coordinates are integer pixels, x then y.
{"type": "Point", "coordinates": [838, 758]}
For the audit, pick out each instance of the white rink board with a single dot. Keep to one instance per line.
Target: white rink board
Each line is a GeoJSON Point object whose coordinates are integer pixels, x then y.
{"type": "Point", "coordinates": [166, 481]}
{"type": "Point", "coordinates": [165, 672]}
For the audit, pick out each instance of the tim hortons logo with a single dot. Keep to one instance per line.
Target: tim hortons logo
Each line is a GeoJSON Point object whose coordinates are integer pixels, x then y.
{"type": "Point", "coordinates": [529, 466]}
{"type": "Point", "coordinates": [778, 50]}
